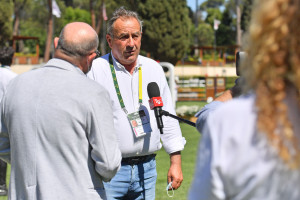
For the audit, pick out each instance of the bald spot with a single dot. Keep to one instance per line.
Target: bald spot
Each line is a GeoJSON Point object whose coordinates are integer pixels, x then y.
{"type": "Point", "coordinates": [78, 32]}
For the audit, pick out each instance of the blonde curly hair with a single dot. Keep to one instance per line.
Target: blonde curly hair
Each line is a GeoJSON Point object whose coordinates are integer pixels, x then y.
{"type": "Point", "coordinates": [272, 66]}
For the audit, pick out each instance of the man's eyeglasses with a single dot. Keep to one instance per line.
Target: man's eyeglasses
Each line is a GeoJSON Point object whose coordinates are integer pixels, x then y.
{"type": "Point", "coordinates": [97, 54]}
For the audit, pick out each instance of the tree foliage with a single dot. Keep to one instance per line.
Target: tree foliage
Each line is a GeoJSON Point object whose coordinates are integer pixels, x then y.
{"type": "Point", "coordinates": [226, 34]}
{"type": "Point", "coordinates": [205, 34]}
{"type": "Point", "coordinates": [246, 14]}
{"type": "Point", "coordinates": [6, 10]}
{"type": "Point", "coordinates": [211, 4]}
{"type": "Point", "coordinates": [166, 29]}
{"type": "Point", "coordinates": [212, 14]}
{"type": "Point", "coordinates": [76, 14]}
{"type": "Point", "coordinates": [34, 24]}
{"type": "Point", "coordinates": [227, 31]}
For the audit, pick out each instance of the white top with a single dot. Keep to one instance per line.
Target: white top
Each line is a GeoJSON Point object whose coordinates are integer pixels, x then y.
{"type": "Point", "coordinates": [5, 76]}
{"type": "Point", "coordinates": [236, 162]}
{"type": "Point", "coordinates": [129, 87]}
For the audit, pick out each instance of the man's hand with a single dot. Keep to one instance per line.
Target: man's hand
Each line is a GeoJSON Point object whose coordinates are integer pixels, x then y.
{"type": "Point", "coordinates": [175, 173]}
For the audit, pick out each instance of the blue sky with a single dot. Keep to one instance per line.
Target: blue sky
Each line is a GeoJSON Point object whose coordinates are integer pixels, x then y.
{"type": "Point", "coordinates": [192, 3]}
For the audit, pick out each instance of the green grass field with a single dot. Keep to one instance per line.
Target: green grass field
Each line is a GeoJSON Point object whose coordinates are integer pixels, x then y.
{"type": "Point", "coordinates": [188, 155]}
{"type": "Point", "coordinates": [163, 162]}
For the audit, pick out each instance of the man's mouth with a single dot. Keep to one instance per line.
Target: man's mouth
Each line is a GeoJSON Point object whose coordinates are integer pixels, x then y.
{"type": "Point", "coordinates": [129, 52]}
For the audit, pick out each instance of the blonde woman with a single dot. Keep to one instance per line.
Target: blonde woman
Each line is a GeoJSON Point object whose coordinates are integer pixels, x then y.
{"type": "Point", "coordinates": [250, 145]}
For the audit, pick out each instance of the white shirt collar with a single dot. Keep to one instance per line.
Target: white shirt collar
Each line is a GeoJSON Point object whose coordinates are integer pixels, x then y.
{"type": "Point", "coordinates": [119, 65]}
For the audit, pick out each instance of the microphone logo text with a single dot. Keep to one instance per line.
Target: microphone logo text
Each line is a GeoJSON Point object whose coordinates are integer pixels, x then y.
{"type": "Point", "coordinates": [157, 101]}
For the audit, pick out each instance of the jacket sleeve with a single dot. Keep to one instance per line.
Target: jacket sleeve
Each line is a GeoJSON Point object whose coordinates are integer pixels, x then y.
{"type": "Point", "coordinates": [102, 137]}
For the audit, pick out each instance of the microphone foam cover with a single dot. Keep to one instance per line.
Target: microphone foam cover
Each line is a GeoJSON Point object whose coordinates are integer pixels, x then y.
{"type": "Point", "coordinates": [153, 90]}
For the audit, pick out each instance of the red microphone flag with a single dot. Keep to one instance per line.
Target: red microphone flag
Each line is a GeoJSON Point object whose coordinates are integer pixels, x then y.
{"type": "Point", "coordinates": [155, 102]}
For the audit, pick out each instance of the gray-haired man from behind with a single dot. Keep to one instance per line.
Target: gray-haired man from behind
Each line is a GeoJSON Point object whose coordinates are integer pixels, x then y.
{"type": "Point", "coordinates": [57, 126]}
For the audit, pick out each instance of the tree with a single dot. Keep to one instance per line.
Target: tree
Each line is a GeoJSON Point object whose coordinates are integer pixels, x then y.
{"type": "Point", "coordinates": [226, 34]}
{"type": "Point", "coordinates": [246, 14]}
{"type": "Point", "coordinates": [211, 4]}
{"type": "Point", "coordinates": [96, 17]}
{"type": "Point", "coordinates": [49, 31]}
{"type": "Point", "coordinates": [5, 21]}
{"type": "Point", "coordinates": [166, 29]}
{"type": "Point", "coordinates": [238, 23]}
{"type": "Point", "coordinates": [191, 15]}
{"type": "Point", "coordinates": [205, 34]}
{"type": "Point", "coordinates": [68, 3]}
{"type": "Point", "coordinates": [76, 14]}
{"type": "Point", "coordinates": [18, 8]}
{"type": "Point", "coordinates": [34, 24]}
{"type": "Point", "coordinates": [212, 14]}
{"type": "Point", "coordinates": [98, 20]}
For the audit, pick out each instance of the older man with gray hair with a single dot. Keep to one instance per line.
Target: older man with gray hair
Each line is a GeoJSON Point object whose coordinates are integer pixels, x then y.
{"type": "Point", "coordinates": [57, 126]}
{"type": "Point", "coordinates": [126, 75]}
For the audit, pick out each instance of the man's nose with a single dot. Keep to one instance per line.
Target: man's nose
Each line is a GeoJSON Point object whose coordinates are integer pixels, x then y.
{"type": "Point", "coordinates": [130, 41]}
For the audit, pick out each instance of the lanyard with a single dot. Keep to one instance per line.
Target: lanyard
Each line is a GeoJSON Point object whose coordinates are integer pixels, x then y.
{"type": "Point", "coordinates": [113, 73]}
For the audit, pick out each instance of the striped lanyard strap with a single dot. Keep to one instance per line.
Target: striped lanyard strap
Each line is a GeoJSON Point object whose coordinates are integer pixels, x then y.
{"type": "Point", "coordinates": [115, 80]}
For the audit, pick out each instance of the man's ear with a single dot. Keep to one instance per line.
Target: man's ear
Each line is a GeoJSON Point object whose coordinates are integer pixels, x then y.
{"type": "Point", "coordinates": [55, 42]}
{"type": "Point", "coordinates": [92, 56]}
{"type": "Point", "coordinates": [109, 40]}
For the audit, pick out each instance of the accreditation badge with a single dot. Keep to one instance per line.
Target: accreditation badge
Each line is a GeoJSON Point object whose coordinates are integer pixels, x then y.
{"type": "Point", "coordinates": [139, 122]}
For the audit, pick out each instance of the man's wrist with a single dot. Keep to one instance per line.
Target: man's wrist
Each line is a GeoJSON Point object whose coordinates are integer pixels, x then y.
{"type": "Point", "coordinates": [175, 158]}
{"type": "Point", "coordinates": [175, 153]}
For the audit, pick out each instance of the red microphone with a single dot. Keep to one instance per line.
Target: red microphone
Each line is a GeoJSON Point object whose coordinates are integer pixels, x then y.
{"type": "Point", "coordinates": [156, 103]}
